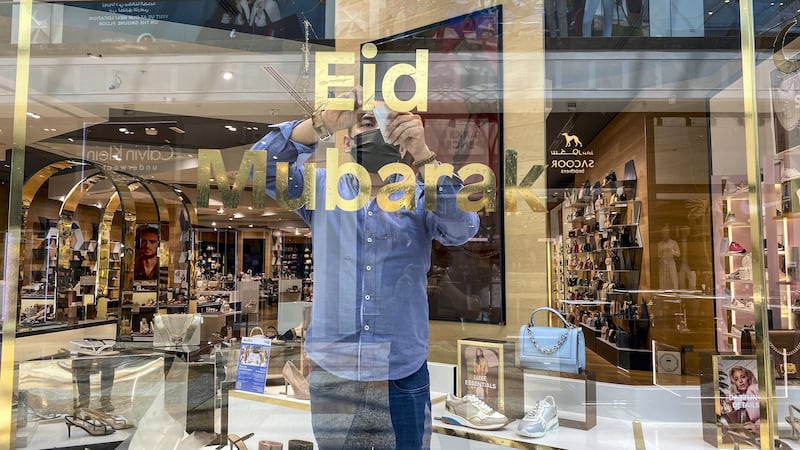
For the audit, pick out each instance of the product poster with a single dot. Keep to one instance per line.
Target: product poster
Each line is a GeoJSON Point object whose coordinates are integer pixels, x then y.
{"type": "Point", "coordinates": [253, 364]}
{"type": "Point", "coordinates": [738, 413]}
{"type": "Point", "coordinates": [480, 371]}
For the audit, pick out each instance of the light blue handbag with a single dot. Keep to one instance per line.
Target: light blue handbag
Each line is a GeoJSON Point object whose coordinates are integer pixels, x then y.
{"type": "Point", "coordinates": [553, 349]}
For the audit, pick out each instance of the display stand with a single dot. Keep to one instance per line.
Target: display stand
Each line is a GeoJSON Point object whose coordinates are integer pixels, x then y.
{"type": "Point", "coordinates": [575, 395]}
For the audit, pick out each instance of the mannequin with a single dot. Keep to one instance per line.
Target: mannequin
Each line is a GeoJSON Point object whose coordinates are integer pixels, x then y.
{"type": "Point", "coordinates": [687, 277]}
{"type": "Point", "coordinates": [667, 252]}
{"type": "Point", "coordinates": [590, 7]}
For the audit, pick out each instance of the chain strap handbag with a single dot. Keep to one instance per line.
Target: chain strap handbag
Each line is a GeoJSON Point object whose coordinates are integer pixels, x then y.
{"type": "Point", "coordinates": [560, 349]}
{"type": "Point", "coordinates": [784, 348]}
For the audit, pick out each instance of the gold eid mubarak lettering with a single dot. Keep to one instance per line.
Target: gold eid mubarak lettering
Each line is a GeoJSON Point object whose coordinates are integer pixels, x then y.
{"type": "Point", "coordinates": [472, 197]}
{"type": "Point", "coordinates": [255, 162]}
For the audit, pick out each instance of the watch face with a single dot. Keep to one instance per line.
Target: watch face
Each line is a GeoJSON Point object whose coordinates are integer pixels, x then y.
{"type": "Point", "coordinates": [668, 362]}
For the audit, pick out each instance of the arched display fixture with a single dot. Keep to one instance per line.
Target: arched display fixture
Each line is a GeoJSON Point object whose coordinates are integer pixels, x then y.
{"type": "Point", "coordinates": [124, 186]}
{"type": "Point", "coordinates": [188, 238]}
{"type": "Point", "coordinates": [66, 218]}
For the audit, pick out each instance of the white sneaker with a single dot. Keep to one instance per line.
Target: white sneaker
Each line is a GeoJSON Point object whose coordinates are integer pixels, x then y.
{"type": "Point", "coordinates": [540, 420]}
{"type": "Point", "coordinates": [470, 411]}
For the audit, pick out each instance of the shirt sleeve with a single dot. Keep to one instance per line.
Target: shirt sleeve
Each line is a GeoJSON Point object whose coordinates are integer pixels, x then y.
{"type": "Point", "coordinates": [280, 148]}
{"type": "Point", "coordinates": [449, 224]}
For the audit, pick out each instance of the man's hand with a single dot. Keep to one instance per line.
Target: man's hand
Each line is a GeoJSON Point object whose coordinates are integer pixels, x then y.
{"type": "Point", "coordinates": [335, 120]}
{"type": "Point", "coordinates": [406, 130]}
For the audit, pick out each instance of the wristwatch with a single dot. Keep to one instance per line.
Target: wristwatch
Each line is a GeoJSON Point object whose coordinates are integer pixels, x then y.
{"type": "Point", "coordinates": [319, 126]}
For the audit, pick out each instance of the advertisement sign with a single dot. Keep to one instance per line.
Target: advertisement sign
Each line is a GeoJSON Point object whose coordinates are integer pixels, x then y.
{"type": "Point", "coordinates": [251, 375]}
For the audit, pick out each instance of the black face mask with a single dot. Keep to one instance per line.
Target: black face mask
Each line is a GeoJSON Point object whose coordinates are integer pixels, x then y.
{"type": "Point", "coordinates": [372, 152]}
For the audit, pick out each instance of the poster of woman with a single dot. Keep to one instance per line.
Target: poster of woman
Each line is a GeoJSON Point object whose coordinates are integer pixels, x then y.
{"type": "Point", "coordinates": [739, 414]}
{"type": "Point", "coordinates": [480, 364]}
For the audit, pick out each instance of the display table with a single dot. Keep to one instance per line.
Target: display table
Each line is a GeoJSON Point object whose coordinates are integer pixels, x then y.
{"type": "Point", "coordinates": [40, 341]}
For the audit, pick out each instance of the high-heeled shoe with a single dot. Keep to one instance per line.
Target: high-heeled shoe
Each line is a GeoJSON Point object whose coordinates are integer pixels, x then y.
{"type": "Point", "coordinates": [93, 428]}
{"type": "Point", "coordinates": [237, 441]}
{"type": "Point", "coordinates": [293, 376]}
{"type": "Point", "coordinates": [115, 421]}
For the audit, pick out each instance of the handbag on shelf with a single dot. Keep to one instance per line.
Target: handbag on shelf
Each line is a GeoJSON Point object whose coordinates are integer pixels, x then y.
{"type": "Point", "coordinates": [785, 342]}
{"type": "Point", "coordinates": [560, 349]}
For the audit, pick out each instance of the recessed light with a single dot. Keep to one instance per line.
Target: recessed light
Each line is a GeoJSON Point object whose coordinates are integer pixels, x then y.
{"type": "Point", "coordinates": [227, 75]}
{"type": "Point", "coordinates": [150, 131]}
{"type": "Point", "coordinates": [213, 224]}
{"type": "Point", "coordinates": [250, 226]}
{"type": "Point", "coordinates": [238, 215]}
{"type": "Point", "coordinates": [220, 211]}
{"type": "Point", "coordinates": [71, 139]}
{"type": "Point", "coordinates": [177, 130]}
{"type": "Point", "coordinates": [123, 130]}
{"type": "Point", "coordinates": [33, 115]}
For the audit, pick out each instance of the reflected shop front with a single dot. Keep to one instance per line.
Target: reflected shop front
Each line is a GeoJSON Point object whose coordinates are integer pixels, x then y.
{"type": "Point", "coordinates": [267, 224]}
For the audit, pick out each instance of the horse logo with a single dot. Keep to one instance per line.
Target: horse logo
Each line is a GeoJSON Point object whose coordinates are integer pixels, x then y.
{"type": "Point", "coordinates": [572, 139]}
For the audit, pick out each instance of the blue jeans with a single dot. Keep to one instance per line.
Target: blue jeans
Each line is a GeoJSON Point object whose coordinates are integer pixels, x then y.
{"type": "Point", "coordinates": [347, 414]}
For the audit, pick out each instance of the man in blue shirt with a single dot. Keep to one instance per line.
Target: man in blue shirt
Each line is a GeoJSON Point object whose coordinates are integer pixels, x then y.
{"type": "Point", "coordinates": [368, 337]}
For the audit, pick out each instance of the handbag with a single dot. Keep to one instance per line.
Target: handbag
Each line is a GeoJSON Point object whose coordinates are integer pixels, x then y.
{"type": "Point", "coordinates": [788, 342]}
{"type": "Point", "coordinates": [552, 348]}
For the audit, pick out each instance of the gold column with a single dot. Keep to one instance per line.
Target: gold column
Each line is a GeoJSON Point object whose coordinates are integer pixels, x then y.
{"type": "Point", "coordinates": [766, 386]}
{"type": "Point", "coordinates": [14, 233]}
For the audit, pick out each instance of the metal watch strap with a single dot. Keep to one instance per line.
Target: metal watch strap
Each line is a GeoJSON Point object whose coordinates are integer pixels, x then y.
{"type": "Point", "coordinates": [319, 126]}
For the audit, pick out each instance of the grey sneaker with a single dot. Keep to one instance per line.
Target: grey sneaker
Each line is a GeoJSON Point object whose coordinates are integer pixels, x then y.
{"type": "Point", "coordinates": [470, 411]}
{"type": "Point", "coordinates": [543, 418]}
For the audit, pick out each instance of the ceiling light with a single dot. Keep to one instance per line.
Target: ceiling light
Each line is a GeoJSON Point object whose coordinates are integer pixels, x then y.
{"type": "Point", "coordinates": [238, 215]}
{"type": "Point", "coordinates": [251, 225]}
{"type": "Point", "coordinates": [213, 224]}
{"type": "Point", "coordinates": [33, 115]}
{"type": "Point", "coordinates": [220, 211]}
{"type": "Point", "coordinates": [123, 130]}
{"type": "Point", "coordinates": [71, 139]}
{"type": "Point", "coordinates": [297, 231]}
{"type": "Point", "coordinates": [150, 131]}
{"type": "Point", "coordinates": [227, 75]}
{"type": "Point", "coordinates": [250, 208]}
{"type": "Point", "coordinates": [230, 127]}
{"type": "Point", "coordinates": [177, 130]}
{"type": "Point", "coordinates": [267, 213]}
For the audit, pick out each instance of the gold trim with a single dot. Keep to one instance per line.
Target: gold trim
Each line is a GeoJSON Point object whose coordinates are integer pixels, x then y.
{"type": "Point", "coordinates": [13, 242]}
{"type": "Point", "coordinates": [497, 440]}
{"type": "Point", "coordinates": [638, 436]}
{"type": "Point", "coordinates": [271, 399]}
{"type": "Point", "coordinates": [766, 385]}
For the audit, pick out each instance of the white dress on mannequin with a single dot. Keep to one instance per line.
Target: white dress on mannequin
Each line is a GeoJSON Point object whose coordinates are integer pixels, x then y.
{"type": "Point", "coordinates": [667, 272]}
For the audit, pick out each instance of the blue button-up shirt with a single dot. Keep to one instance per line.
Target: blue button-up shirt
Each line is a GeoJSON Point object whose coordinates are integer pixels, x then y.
{"type": "Point", "coordinates": [370, 316]}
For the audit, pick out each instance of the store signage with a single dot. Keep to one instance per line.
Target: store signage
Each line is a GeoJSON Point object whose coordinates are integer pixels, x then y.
{"type": "Point", "coordinates": [571, 157]}
{"type": "Point", "coordinates": [782, 63]}
{"type": "Point", "coordinates": [473, 196]}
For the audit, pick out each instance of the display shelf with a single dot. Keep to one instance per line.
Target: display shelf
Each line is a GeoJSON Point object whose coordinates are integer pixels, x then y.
{"type": "Point", "coordinates": [595, 257]}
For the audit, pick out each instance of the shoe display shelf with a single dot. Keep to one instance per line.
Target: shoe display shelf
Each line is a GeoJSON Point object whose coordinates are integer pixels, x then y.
{"type": "Point", "coordinates": [599, 266]}
{"type": "Point", "coordinates": [734, 273]}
